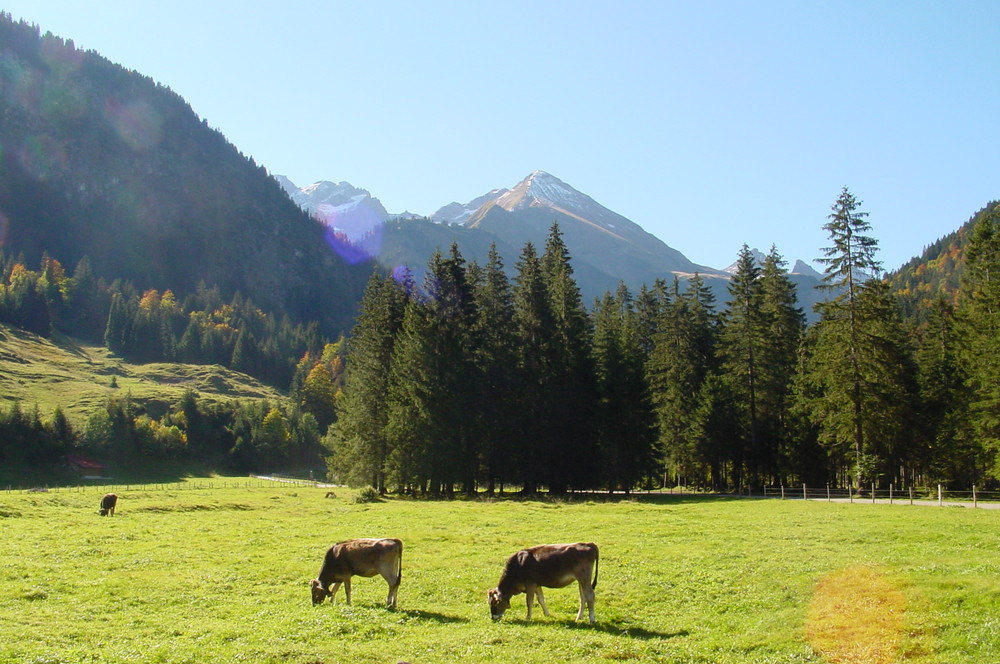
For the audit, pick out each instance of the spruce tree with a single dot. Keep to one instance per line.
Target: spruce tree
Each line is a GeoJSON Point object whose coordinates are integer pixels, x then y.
{"type": "Point", "coordinates": [784, 324]}
{"type": "Point", "coordinates": [980, 332]}
{"type": "Point", "coordinates": [571, 443]}
{"type": "Point", "coordinates": [626, 425]}
{"type": "Point", "coordinates": [681, 360]}
{"type": "Point", "coordinates": [534, 338]}
{"type": "Point", "coordinates": [741, 349]}
{"type": "Point", "coordinates": [496, 359]}
{"type": "Point", "coordinates": [359, 437]}
{"type": "Point", "coordinates": [860, 369]}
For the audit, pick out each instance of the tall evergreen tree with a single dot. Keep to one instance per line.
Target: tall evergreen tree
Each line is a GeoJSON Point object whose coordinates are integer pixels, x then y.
{"type": "Point", "coordinates": [359, 437]}
{"type": "Point", "coordinates": [860, 369]}
{"type": "Point", "coordinates": [950, 452]}
{"type": "Point", "coordinates": [570, 443]}
{"type": "Point", "coordinates": [784, 325]}
{"type": "Point", "coordinates": [980, 330]}
{"type": "Point", "coordinates": [741, 346]}
{"type": "Point", "coordinates": [626, 425]}
{"type": "Point", "coordinates": [435, 382]}
{"type": "Point", "coordinates": [496, 359]}
{"type": "Point", "coordinates": [681, 359]}
{"type": "Point", "coordinates": [534, 338]}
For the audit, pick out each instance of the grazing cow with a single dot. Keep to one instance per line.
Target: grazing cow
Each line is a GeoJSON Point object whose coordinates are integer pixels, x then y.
{"type": "Point", "coordinates": [108, 503]}
{"type": "Point", "coordinates": [359, 557]}
{"type": "Point", "coordinates": [549, 566]}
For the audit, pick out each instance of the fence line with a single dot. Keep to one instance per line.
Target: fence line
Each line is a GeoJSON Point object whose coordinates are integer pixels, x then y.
{"type": "Point", "coordinates": [910, 495]}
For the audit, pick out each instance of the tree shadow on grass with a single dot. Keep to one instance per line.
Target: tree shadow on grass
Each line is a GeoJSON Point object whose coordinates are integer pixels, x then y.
{"type": "Point", "coordinates": [432, 616]}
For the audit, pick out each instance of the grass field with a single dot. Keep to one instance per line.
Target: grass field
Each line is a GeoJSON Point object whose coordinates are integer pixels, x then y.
{"type": "Point", "coordinates": [78, 377]}
{"type": "Point", "coordinates": [199, 574]}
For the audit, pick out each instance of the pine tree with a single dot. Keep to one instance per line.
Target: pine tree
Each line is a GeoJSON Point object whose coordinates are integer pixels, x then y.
{"type": "Point", "coordinates": [741, 349]}
{"type": "Point", "coordinates": [681, 360]}
{"type": "Point", "coordinates": [534, 338]}
{"type": "Point", "coordinates": [980, 333]}
{"type": "Point", "coordinates": [859, 369]}
{"type": "Point", "coordinates": [434, 374]}
{"type": "Point", "coordinates": [626, 426]}
{"type": "Point", "coordinates": [360, 438]}
{"type": "Point", "coordinates": [950, 453]}
{"type": "Point", "coordinates": [496, 359]}
{"type": "Point", "coordinates": [784, 324]}
{"type": "Point", "coordinates": [571, 444]}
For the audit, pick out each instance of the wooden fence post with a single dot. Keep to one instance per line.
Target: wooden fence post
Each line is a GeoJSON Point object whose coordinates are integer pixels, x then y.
{"type": "Point", "coordinates": [827, 492]}
{"type": "Point", "coordinates": [782, 491]}
{"type": "Point", "coordinates": [890, 493]}
{"type": "Point", "coordinates": [911, 494]}
{"type": "Point", "coordinates": [804, 496]}
{"type": "Point", "coordinates": [975, 503]}
{"type": "Point", "coordinates": [940, 496]}
{"type": "Point", "coordinates": [873, 493]}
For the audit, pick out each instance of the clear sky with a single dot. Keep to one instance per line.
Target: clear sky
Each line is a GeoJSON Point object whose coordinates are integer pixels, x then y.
{"type": "Point", "coordinates": [710, 124]}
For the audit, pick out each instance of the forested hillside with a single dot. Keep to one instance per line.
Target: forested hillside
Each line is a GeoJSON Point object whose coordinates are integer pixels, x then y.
{"type": "Point", "coordinates": [101, 162]}
{"type": "Point", "coordinates": [936, 274]}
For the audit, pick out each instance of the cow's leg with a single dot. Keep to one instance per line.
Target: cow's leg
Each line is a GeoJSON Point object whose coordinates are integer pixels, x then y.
{"type": "Point", "coordinates": [587, 594]}
{"type": "Point", "coordinates": [529, 593]}
{"type": "Point", "coordinates": [393, 579]}
{"type": "Point", "coordinates": [541, 600]}
{"type": "Point", "coordinates": [347, 590]}
{"type": "Point", "coordinates": [333, 591]}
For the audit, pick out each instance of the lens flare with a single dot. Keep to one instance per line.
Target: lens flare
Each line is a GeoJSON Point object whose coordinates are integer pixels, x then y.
{"type": "Point", "coordinates": [42, 157]}
{"type": "Point", "coordinates": [137, 123]}
{"type": "Point", "coordinates": [346, 249]}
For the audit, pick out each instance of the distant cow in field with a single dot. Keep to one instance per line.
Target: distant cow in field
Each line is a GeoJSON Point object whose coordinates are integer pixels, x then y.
{"type": "Point", "coordinates": [359, 557]}
{"type": "Point", "coordinates": [108, 503]}
{"type": "Point", "coordinates": [549, 566]}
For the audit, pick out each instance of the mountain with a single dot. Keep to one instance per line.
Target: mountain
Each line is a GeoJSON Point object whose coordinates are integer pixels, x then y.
{"type": "Point", "coordinates": [102, 162]}
{"type": "Point", "coordinates": [342, 207]}
{"type": "Point", "coordinates": [457, 213]}
{"type": "Point", "coordinates": [606, 247]}
{"type": "Point", "coordinates": [594, 234]}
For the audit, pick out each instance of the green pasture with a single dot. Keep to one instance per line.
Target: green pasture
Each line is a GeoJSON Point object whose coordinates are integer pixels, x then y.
{"type": "Point", "coordinates": [199, 573]}
{"type": "Point", "coordinates": [80, 377]}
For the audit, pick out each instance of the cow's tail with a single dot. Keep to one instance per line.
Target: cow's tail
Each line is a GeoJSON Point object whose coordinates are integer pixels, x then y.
{"type": "Point", "coordinates": [597, 566]}
{"type": "Point", "coordinates": [399, 570]}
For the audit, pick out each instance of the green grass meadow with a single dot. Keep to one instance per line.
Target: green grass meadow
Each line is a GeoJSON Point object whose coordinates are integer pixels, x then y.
{"type": "Point", "coordinates": [193, 572]}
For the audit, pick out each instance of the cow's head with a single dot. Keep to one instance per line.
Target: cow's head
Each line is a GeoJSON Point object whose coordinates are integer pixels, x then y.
{"type": "Point", "coordinates": [319, 593]}
{"type": "Point", "coordinates": [499, 603]}
{"type": "Point", "coordinates": [104, 511]}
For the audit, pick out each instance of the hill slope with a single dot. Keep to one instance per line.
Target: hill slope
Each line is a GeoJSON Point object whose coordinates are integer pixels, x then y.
{"type": "Point", "coordinates": [99, 161]}
{"type": "Point", "coordinates": [78, 378]}
{"type": "Point", "coordinates": [936, 273]}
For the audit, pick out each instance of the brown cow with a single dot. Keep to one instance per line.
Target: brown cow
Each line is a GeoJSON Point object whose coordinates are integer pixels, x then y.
{"type": "Point", "coordinates": [549, 566]}
{"type": "Point", "coordinates": [108, 503]}
{"type": "Point", "coordinates": [359, 557]}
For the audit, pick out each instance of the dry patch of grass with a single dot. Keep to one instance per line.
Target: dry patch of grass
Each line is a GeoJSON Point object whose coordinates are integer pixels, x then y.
{"type": "Point", "coordinates": [857, 616]}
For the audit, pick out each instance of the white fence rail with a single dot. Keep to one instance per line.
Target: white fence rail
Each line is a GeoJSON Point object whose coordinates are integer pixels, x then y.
{"type": "Point", "coordinates": [907, 496]}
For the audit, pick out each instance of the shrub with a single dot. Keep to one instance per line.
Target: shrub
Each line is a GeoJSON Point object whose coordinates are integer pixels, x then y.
{"type": "Point", "coordinates": [368, 495]}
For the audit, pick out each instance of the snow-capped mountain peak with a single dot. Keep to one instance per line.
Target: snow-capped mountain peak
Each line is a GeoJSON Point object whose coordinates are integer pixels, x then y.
{"type": "Point", "coordinates": [341, 206]}
{"type": "Point", "coordinates": [545, 190]}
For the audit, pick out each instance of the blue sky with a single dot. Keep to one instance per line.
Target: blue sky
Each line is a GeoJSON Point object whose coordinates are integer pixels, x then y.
{"type": "Point", "coordinates": [711, 124]}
